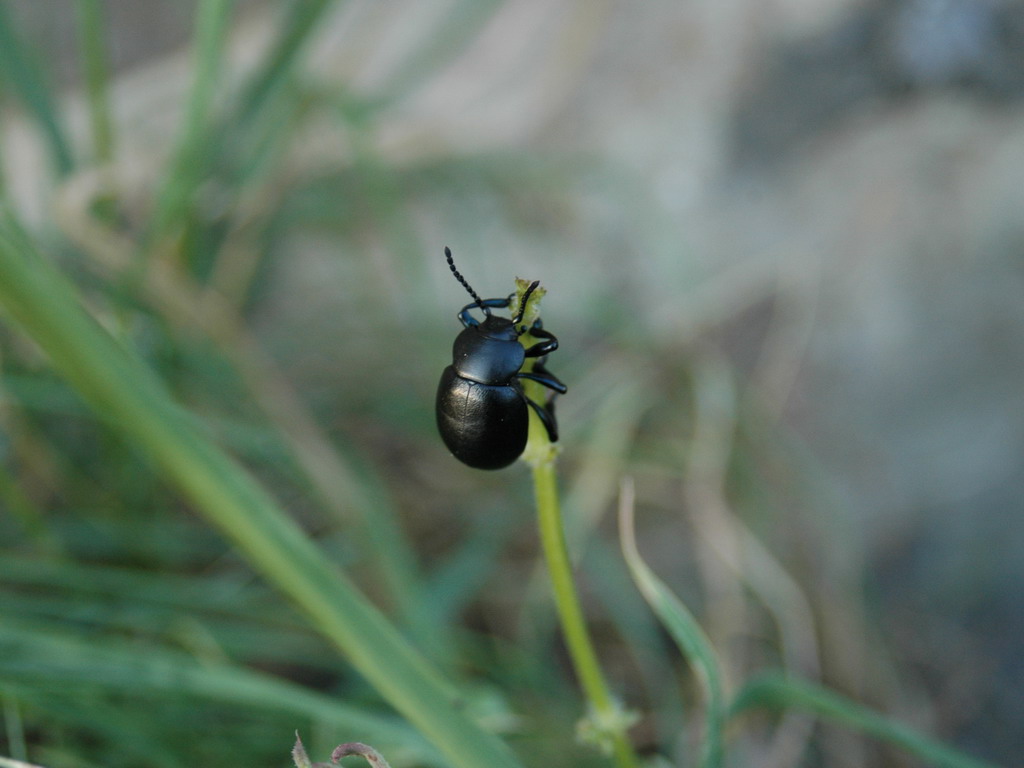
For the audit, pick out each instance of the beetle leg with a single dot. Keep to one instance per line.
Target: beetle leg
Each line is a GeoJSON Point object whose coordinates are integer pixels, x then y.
{"type": "Point", "coordinates": [469, 321]}
{"type": "Point", "coordinates": [542, 375]}
{"type": "Point", "coordinates": [546, 412]}
{"type": "Point", "coordinates": [541, 348]}
{"type": "Point", "coordinates": [547, 417]}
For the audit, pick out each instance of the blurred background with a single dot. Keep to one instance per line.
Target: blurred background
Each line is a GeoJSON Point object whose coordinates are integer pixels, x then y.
{"type": "Point", "coordinates": [782, 243]}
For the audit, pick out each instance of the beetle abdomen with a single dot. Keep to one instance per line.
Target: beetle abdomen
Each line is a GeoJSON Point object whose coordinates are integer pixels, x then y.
{"type": "Point", "coordinates": [483, 426]}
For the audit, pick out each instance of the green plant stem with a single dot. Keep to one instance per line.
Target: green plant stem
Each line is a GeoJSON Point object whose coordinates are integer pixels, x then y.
{"type": "Point", "coordinates": [610, 723]}
{"type": "Point", "coordinates": [570, 614]}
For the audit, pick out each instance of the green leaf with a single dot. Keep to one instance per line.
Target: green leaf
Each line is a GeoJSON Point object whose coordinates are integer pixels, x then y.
{"type": "Point", "coordinates": [776, 691]}
{"type": "Point", "coordinates": [683, 628]}
{"type": "Point", "coordinates": [20, 68]}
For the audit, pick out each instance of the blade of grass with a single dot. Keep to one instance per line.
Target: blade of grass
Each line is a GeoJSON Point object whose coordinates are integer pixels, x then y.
{"type": "Point", "coordinates": [244, 620]}
{"type": "Point", "coordinates": [683, 627]}
{"type": "Point", "coordinates": [127, 727]}
{"type": "Point", "coordinates": [278, 66]}
{"type": "Point", "coordinates": [134, 402]}
{"type": "Point", "coordinates": [25, 512]}
{"type": "Point", "coordinates": [44, 657]}
{"type": "Point", "coordinates": [25, 77]}
{"type": "Point", "coordinates": [94, 63]}
{"type": "Point", "coordinates": [244, 138]}
{"type": "Point", "coordinates": [237, 142]}
{"type": "Point", "coordinates": [233, 133]}
{"type": "Point", "coordinates": [346, 487]}
{"type": "Point", "coordinates": [776, 691]}
{"type": "Point", "coordinates": [190, 158]}
{"type": "Point", "coordinates": [642, 635]}
{"type": "Point", "coordinates": [4, 198]}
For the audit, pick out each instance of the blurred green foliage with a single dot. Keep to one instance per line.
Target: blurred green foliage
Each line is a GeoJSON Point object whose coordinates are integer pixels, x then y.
{"type": "Point", "coordinates": [279, 277]}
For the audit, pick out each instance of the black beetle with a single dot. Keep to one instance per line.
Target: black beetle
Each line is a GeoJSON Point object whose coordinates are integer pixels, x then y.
{"type": "Point", "coordinates": [481, 407]}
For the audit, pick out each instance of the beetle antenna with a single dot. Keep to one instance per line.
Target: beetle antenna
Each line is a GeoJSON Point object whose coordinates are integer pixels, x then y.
{"type": "Point", "coordinates": [522, 306]}
{"type": "Point", "coordinates": [461, 279]}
